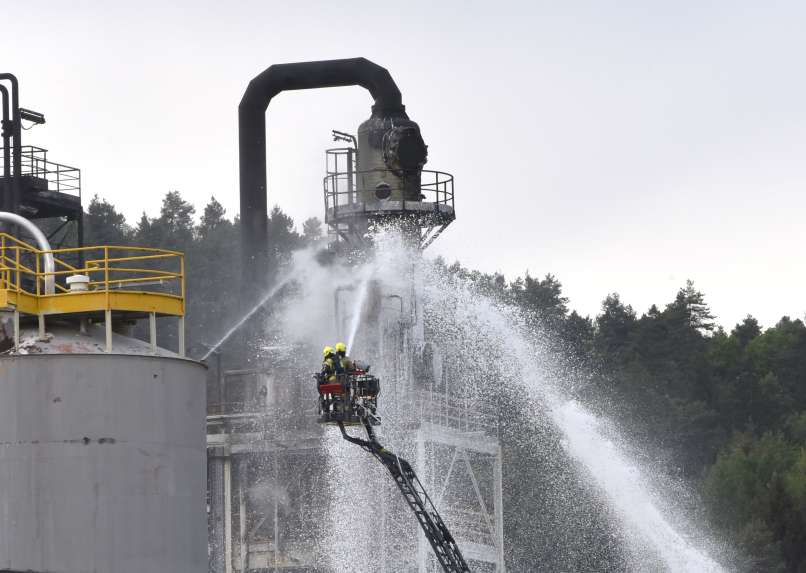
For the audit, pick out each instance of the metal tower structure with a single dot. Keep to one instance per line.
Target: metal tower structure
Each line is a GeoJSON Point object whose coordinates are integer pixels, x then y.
{"type": "Point", "coordinates": [360, 192]}
{"type": "Point", "coordinates": [378, 179]}
{"type": "Point", "coordinates": [267, 479]}
{"type": "Point", "coordinates": [32, 185]}
{"type": "Point", "coordinates": [452, 441]}
{"type": "Point", "coordinates": [266, 491]}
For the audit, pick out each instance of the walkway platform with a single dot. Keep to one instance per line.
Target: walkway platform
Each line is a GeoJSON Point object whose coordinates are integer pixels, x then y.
{"type": "Point", "coordinates": [102, 283]}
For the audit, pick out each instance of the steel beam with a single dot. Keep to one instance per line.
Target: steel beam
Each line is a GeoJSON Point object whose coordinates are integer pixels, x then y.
{"type": "Point", "coordinates": [215, 464]}
{"type": "Point", "coordinates": [498, 508]}
{"type": "Point", "coordinates": [228, 515]}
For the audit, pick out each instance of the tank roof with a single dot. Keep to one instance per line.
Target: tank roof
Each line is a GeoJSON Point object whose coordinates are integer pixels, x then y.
{"type": "Point", "coordinates": [66, 338]}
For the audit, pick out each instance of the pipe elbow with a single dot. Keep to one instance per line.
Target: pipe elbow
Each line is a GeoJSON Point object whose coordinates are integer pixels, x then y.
{"type": "Point", "coordinates": [42, 243]}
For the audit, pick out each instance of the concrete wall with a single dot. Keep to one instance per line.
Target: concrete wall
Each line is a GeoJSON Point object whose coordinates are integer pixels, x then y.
{"type": "Point", "coordinates": [102, 464]}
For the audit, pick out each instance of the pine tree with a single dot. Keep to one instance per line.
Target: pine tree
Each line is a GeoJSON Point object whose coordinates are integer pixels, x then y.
{"type": "Point", "coordinates": [103, 225]}
{"type": "Point", "coordinates": [690, 308]}
{"type": "Point", "coordinates": [212, 219]}
{"type": "Point", "coordinates": [614, 327]}
{"type": "Point", "coordinates": [312, 231]}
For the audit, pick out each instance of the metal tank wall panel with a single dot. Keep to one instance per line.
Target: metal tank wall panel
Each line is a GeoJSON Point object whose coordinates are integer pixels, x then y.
{"type": "Point", "coordinates": [102, 464]}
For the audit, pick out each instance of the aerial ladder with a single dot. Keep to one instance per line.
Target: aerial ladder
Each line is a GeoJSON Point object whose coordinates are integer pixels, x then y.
{"type": "Point", "coordinates": [351, 400]}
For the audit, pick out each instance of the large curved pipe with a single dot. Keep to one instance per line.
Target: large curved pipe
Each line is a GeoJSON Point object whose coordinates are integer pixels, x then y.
{"type": "Point", "coordinates": [42, 243]}
{"type": "Point", "coordinates": [6, 145]}
{"type": "Point", "coordinates": [16, 193]}
{"type": "Point", "coordinates": [252, 139]}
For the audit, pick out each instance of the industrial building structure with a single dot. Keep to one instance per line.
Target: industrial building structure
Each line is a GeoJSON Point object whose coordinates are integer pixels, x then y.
{"type": "Point", "coordinates": [102, 437]}
{"type": "Point", "coordinates": [267, 491]}
{"type": "Point", "coordinates": [32, 185]}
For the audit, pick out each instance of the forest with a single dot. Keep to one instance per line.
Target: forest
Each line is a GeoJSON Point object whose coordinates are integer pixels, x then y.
{"type": "Point", "coordinates": [726, 407]}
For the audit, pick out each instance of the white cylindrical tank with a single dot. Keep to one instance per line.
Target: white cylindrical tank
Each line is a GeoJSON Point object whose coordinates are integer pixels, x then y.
{"type": "Point", "coordinates": [102, 458]}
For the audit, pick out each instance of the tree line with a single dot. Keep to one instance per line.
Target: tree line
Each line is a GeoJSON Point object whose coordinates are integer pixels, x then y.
{"type": "Point", "coordinates": [727, 407]}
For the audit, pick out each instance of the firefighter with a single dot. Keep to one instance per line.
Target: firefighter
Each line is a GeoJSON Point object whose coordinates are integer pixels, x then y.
{"type": "Point", "coordinates": [345, 361]}
{"type": "Point", "coordinates": [331, 366]}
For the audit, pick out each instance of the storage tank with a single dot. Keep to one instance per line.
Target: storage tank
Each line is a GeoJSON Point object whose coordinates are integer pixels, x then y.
{"type": "Point", "coordinates": [391, 155]}
{"type": "Point", "coordinates": [102, 455]}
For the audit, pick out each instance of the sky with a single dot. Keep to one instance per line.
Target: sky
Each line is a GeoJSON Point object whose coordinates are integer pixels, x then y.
{"type": "Point", "coordinates": [622, 146]}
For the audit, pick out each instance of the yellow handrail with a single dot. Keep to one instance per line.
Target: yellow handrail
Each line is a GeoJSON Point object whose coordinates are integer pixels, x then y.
{"type": "Point", "coordinates": [86, 270]}
{"type": "Point", "coordinates": [68, 265]}
{"type": "Point", "coordinates": [133, 280]}
{"type": "Point", "coordinates": [109, 267]}
{"type": "Point", "coordinates": [138, 258]}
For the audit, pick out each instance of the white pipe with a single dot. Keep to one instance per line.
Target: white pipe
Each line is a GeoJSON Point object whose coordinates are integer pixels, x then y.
{"type": "Point", "coordinates": [42, 243]}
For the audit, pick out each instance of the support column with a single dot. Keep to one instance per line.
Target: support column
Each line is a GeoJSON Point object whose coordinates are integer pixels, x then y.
{"type": "Point", "coordinates": [215, 465]}
{"type": "Point", "coordinates": [16, 330]}
{"type": "Point", "coordinates": [108, 329]}
{"type": "Point", "coordinates": [41, 319]}
{"type": "Point", "coordinates": [228, 515]}
{"type": "Point", "coordinates": [152, 331]}
{"type": "Point", "coordinates": [498, 508]}
{"type": "Point", "coordinates": [242, 542]}
{"type": "Point", "coordinates": [181, 336]}
{"type": "Point", "coordinates": [384, 552]}
{"type": "Point", "coordinates": [276, 460]}
{"type": "Point", "coordinates": [422, 542]}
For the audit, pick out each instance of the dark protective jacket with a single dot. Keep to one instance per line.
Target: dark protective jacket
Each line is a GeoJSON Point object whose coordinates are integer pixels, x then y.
{"type": "Point", "coordinates": [338, 365]}
{"type": "Point", "coordinates": [345, 362]}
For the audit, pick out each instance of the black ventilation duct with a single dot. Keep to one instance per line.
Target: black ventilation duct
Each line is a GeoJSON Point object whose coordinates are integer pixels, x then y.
{"type": "Point", "coordinates": [252, 139]}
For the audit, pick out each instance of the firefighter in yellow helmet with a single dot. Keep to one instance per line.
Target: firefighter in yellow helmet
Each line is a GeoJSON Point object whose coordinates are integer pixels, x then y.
{"type": "Point", "coordinates": [345, 361]}
{"type": "Point", "coordinates": [331, 366]}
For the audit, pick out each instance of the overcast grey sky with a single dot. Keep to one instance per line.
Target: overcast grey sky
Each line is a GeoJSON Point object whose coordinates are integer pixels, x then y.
{"type": "Point", "coordinates": [623, 146]}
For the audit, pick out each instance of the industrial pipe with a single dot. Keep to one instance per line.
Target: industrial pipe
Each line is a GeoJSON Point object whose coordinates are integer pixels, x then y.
{"type": "Point", "coordinates": [252, 140]}
{"type": "Point", "coordinates": [16, 194]}
{"type": "Point", "coordinates": [6, 131]}
{"type": "Point", "coordinates": [41, 241]}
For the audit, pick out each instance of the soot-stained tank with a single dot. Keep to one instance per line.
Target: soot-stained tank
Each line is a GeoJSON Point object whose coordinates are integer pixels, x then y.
{"type": "Point", "coordinates": [391, 156]}
{"type": "Point", "coordinates": [102, 456]}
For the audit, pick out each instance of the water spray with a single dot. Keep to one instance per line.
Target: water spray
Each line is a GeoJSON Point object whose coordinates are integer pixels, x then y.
{"type": "Point", "coordinates": [262, 302]}
{"type": "Point", "coordinates": [494, 331]}
{"type": "Point", "coordinates": [355, 320]}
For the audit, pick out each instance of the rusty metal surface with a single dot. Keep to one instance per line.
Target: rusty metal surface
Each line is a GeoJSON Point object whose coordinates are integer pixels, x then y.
{"type": "Point", "coordinates": [66, 338]}
{"type": "Point", "coordinates": [6, 331]}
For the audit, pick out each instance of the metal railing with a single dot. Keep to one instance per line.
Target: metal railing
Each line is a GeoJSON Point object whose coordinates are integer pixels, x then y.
{"type": "Point", "coordinates": [456, 412]}
{"type": "Point", "coordinates": [59, 178]}
{"type": "Point", "coordinates": [345, 185]}
{"type": "Point", "coordinates": [109, 268]}
{"type": "Point", "coordinates": [346, 189]}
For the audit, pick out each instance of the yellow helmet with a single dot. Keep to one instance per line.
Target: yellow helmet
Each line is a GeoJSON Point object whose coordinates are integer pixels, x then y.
{"type": "Point", "coordinates": [341, 347]}
{"type": "Point", "coordinates": [327, 351]}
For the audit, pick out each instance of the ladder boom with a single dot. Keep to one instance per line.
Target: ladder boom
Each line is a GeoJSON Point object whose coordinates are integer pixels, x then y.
{"type": "Point", "coordinates": [442, 542]}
